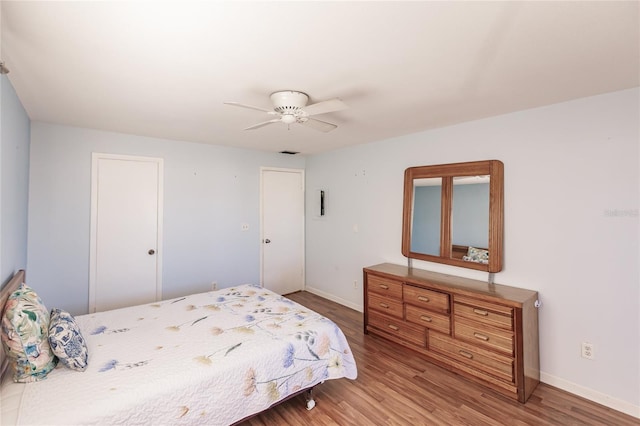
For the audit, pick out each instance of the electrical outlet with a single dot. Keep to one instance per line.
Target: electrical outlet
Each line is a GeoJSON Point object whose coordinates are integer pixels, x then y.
{"type": "Point", "coordinates": [214, 285]}
{"type": "Point", "coordinates": [587, 350]}
{"type": "Point", "coordinates": [244, 227]}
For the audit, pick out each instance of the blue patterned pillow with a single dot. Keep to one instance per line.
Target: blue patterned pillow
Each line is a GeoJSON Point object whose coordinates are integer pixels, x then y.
{"type": "Point", "coordinates": [24, 336]}
{"type": "Point", "coordinates": [66, 340]}
{"type": "Point", "coordinates": [477, 255]}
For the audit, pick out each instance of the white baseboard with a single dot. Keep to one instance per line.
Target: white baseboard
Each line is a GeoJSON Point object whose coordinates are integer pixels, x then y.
{"type": "Point", "coordinates": [334, 298]}
{"type": "Point", "coordinates": [590, 394]}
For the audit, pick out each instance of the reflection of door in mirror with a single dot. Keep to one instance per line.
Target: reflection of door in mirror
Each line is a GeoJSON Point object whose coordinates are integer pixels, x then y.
{"type": "Point", "coordinates": [427, 207]}
{"type": "Point", "coordinates": [470, 221]}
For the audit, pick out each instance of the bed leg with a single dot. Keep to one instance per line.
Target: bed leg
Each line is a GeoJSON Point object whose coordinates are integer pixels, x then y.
{"type": "Point", "coordinates": [310, 401]}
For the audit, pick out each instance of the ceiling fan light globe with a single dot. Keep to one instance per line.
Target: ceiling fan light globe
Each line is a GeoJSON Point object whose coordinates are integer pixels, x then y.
{"type": "Point", "coordinates": [288, 118]}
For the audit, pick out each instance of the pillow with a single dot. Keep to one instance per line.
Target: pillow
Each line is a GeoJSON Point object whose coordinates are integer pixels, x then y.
{"type": "Point", "coordinates": [66, 340]}
{"type": "Point", "coordinates": [25, 326]}
{"type": "Point", "coordinates": [477, 255]}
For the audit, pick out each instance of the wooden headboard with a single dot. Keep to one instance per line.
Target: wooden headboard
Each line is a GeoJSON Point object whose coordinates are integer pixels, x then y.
{"type": "Point", "coordinates": [12, 285]}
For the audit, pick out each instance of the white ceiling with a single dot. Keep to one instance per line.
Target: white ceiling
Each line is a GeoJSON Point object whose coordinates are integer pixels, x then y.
{"type": "Point", "coordinates": [163, 69]}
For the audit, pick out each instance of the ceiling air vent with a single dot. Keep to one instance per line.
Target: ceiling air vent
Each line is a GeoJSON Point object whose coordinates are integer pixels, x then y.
{"type": "Point", "coordinates": [289, 152]}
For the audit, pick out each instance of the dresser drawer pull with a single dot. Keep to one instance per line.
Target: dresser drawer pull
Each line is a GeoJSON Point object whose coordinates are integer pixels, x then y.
{"type": "Point", "coordinates": [481, 337]}
{"type": "Point", "coordinates": [480, 312]}
{"type": "Point", "coordinates": [384, 286]}
{"type": "Point", "coordinates": [425, 318]}
{"type": "Point", "coordinates": [384, 305]}
{"type": "Point", "coordinates": [393, 327]}
{"type": "Point", "coordinates": [423, 298]}
{"type": "Point", "coordinates": [465, 354]}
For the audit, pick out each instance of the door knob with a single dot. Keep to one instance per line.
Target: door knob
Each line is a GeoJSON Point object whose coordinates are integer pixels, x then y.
{"type": "Point", "coordinates": [267, 241]}
{"type": "Point", "coordinates": [152, 252]}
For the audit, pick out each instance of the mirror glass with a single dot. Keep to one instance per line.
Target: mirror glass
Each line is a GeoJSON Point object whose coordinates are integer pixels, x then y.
{"type": "Point", "coordinates": [470, 215]}
{"type": "Point", "coordinates": [453, 214]}
{"type": "Point", "coordinates": [425, 228]}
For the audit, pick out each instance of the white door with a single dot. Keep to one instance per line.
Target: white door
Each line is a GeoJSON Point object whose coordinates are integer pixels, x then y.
{"type": "Point", "coordinates": [126, 223]}
{"type": "Point", "coordinates": [282, 230]}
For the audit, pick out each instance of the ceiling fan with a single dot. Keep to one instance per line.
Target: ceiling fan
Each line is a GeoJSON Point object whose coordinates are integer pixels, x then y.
{"type": "Point", "coordinates": [290, 107]}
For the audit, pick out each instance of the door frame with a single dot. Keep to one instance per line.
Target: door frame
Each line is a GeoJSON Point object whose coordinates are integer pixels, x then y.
{"type": "Point", "coordinates": [95, 158]}
{"type": "Point", "coordinates": [302, 224]}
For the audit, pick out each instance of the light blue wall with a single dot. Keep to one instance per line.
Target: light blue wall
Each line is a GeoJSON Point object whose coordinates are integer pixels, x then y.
{"type": "Point", "coordinates": [14, 181]}
{"type": "Point", "coordinates": [572, 185]}
{"type": "Point", "coordinates": [209, 191]}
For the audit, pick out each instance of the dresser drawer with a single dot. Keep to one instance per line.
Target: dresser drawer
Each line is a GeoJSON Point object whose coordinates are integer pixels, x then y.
{"type": "Point", "coordinates": [427, 299]}
{"type": "Point", "coordinates": [491, 338]}
{"type": "Point", "coordinates": [384, 304]}
{"type": "Point", "coordinates": [432, 320]}
{"type": "Point", "coordinates": [483, 312]}
{"type": "Point", "coordinates": [384, 286]}
{"type": "Point", "coordinates": [491, 363]}
{"type": "Point", "coordinates": [411, 333]}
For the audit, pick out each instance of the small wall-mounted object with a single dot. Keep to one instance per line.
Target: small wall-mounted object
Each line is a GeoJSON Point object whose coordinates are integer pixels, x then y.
{"type": "Point", "coordinates": [319, 202]}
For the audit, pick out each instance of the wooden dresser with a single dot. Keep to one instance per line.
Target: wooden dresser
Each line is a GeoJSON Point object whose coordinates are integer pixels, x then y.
{"type": "Point", "coordinates": [486, 332]}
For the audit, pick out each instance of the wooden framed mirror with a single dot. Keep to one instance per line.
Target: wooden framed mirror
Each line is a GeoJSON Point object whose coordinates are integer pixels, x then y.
{"type": "Point", "coordinates": [453, 214]}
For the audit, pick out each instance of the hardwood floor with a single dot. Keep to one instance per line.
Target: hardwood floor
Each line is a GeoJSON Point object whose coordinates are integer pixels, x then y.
{"type": "Point", "coordinates": [397, 387]}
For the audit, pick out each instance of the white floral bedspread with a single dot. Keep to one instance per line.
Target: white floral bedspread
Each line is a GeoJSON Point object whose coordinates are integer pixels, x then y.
{"type": "Point", "coordinates": [210, 358]}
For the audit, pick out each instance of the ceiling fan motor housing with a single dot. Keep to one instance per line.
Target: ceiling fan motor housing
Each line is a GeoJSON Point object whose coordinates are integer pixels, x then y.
{"type": "Point", "coordinates": [289, 102]}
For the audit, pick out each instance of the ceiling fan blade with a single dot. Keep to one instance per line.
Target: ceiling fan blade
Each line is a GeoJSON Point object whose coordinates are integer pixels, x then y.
{"type": "Point", "coordinates": [250, 107]}
{"type": "Point", "coordinates": [323, 126]}
{"type": "Point", "coordinates": [323, 107]}
{"type": "Point", "coordinates": [264, 123]}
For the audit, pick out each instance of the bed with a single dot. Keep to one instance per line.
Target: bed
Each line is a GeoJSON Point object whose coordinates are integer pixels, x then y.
{"type": "Point", "coordinates": [212, 358]}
